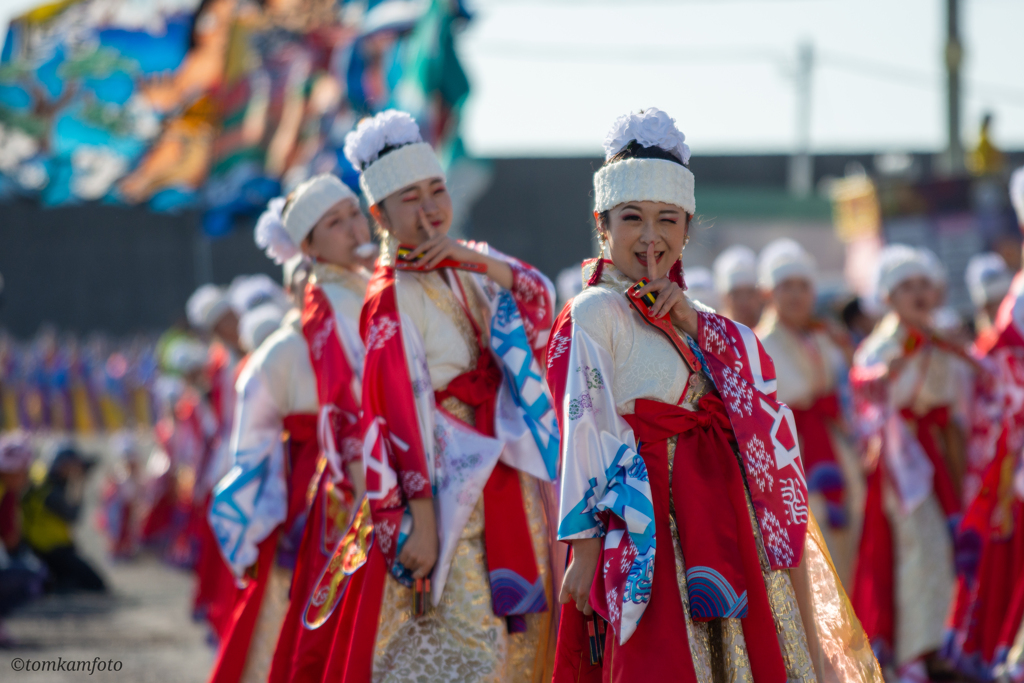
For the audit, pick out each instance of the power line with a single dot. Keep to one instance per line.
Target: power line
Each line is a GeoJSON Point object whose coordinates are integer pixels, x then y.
{"type": "Point", "coordinates": [589, 54]}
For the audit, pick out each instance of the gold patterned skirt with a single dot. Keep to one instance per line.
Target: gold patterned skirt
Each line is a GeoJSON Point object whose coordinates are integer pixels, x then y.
{"type": "Point", "coordinates": [461, 639]}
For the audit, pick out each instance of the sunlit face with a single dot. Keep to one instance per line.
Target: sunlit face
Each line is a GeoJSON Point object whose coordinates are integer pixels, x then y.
{"type": "Point", "coordinates": [913, 300]}
{"type": "Point", "coordinates": [399, 213]}
{"type": "Point", "coordinates": [744, 304]}
{"type": "Point", "coordinates": [793, 299]}
{"type": "Point", "coordinates": [632, 227]}
{"type": "Point", "coordinates": [336, 235]}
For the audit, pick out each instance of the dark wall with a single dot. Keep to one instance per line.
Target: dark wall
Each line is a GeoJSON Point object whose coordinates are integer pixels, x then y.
{"type": "Point", "coordinates": [108, 268]}
{"type": "Point", "coordinates": [539, 211]}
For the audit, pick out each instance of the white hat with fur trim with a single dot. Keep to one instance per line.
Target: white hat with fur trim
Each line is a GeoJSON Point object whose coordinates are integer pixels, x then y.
{"type": "Point", "coordinates": [206, 307]}
{"type": "Point", "coordinates": [652, 180]}
{"type": "Point", "coordinates": [406, 159]}
{"type": "Point", "coordinates": [783, 259]}
{"type": "Point", "coordinates": [735, 267]}
{"type": "Point", "coordinates": [259, 323]}
{"type": "Point", "coordinates": [899, 262]}
{"type": "Point", "coordinates": [988, 278]}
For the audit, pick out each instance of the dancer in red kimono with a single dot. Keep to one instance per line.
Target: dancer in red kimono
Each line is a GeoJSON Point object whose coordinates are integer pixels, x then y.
{"type": "Point", "coordinates": [986, 640]}
{"type": "Point", "coordinates": [906, 388]}
{"type": "Point", "coordinates": [683, 495]}
{"type": "Point", "coordinates": [260, 507]}
{"type": "Point", "coordinates": [812, 369]}
{"type": "Point", "coordinates": [339, 248]}
{"type": "Point", "coordinates": [461, 442]}
{"type": "Point", "coordinates": [210, 312]}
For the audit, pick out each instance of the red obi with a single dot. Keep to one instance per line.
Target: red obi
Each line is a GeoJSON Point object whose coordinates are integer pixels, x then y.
{"type": "Point", "coordinates": [719, 548]}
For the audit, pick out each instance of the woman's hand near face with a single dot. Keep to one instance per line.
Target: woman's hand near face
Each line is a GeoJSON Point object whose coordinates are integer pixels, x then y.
{"type": "Point", "coordinates": [670, 298]}
{"type": "Point", "coordinates": [440, 246]}
{"type": "Point", "coordinates": [579, 576]}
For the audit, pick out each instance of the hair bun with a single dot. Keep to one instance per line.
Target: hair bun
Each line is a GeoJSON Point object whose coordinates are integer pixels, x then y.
{"type": "Point", "coordinates": [651, 128]}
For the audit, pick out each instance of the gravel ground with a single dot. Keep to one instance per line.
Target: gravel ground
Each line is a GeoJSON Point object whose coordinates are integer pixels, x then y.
{"type": "Point", "coordinates": [144, 623]}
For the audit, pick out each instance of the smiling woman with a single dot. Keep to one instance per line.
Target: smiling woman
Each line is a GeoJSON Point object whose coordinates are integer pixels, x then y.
{"type": "Point", "coordinates": [461, 444]}
{"type": "Point", "coordinates": [671, 439]}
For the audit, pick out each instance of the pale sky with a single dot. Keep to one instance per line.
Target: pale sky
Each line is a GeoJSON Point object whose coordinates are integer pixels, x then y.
{"type": "Point", "coordinates": [549, 76]}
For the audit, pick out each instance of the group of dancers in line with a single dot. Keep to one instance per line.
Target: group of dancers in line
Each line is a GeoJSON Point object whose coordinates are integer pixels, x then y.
{"type": "Point", "coordinates": [433, 474]}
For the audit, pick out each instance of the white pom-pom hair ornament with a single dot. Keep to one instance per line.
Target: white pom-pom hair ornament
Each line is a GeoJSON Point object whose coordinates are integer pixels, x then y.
{"type": "Point", "coordinates": [410, 162]}
{"type": "Point", "coordinates": [639, 180]}
{"type": "Point", "coordinates": [389, 128]}
{"type": "Point", "coordinates": [271, 236]}
{"type": "Point", "coordinates": [649, 127]}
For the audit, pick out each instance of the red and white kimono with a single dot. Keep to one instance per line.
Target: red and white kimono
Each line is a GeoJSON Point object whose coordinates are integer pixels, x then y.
{"type": "Point", "coordinates": [986, 639]}
{"type": "Point", "coordinates": [904, 576]}
{"type": "Point", "coordinates": [811, 371]}
{"type": "Point", "coordinates": [330, 324]}
{"type": "Point", "coordinates": [259, 507]}
{"type": "Point", "coordinates": [457, 411]}
{"type": "Point", "coordinates": [693, 479]}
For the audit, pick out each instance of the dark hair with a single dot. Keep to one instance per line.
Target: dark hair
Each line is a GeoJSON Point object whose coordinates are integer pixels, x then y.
{"type": "Point", "coordinates": [634, 150]}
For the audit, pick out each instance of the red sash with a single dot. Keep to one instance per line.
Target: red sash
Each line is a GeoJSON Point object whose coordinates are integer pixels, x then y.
{"type": "Point", "coordinates": [824, 474]}
{"type": "Point", "coordinates": [942, 482]}
{"type": "Point", "coordinates": [714, 529]}
{"type": "Point", "coordinates": [507, 541]}
{"type": "Point", "coordinates": [334, 376]}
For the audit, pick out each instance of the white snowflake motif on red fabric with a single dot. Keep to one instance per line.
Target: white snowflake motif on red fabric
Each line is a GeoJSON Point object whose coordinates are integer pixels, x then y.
{"type": "Point", "coordinates": [716, 335]}
{"type": "Point", "coordinates": [559, 345]}
{"type": "Point", "coordinates": [413, 482]}
{"type": "Point", "coordinates": [351, 449]}
{"type": "Point", "coordinates": [385, 532]}
{"type": "Point", "coordinates": [320, 339]}
{"type": "Point", "coordinates": [795, 501]}
{"type": "Point", "coordinates": [760, 463]}
{"type": "Point", "coordinates": [776, 540]}
{"type": "Point", "coordinates": [380, 332]}
{"type": "Point", "coordinates": [737, 392]}
{"type": "Point", "coordinates": [525, 283]}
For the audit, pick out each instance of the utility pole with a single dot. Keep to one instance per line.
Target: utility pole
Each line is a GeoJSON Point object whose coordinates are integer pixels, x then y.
{"type": "Point", "coordinates": [954, 57]}
{"type": "Point", "coordinates": [801, 164]}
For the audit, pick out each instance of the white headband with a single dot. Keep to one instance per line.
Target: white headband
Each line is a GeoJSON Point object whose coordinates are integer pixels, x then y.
{"type": "Point", "coordinates": [784, 259]}
{"type": "Point", "coordinates": [988, 278]}
{"type": "Point", "coordinates": [735, 267]}
{"type": "Point", "coordinates": [898, 262]}
{"type": "Point", "coordinates": [311, 200]}
{"type": "Point", "coordinates": [398, 169]}
{"type": "Point", "coordinates": [206, 306]}
{"type": "Point", "coordinates": [640, 180]}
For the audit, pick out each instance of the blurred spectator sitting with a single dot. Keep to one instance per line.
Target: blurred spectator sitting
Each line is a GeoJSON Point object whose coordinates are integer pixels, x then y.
{"type": "Point", "coordinates": [21, 573]}
{"type": "Point", "coordinates": [50, 510]}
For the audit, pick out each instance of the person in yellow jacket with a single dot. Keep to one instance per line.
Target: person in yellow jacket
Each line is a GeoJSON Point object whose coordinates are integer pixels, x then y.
{"type": "Point", "coordinates": [49, 511]}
